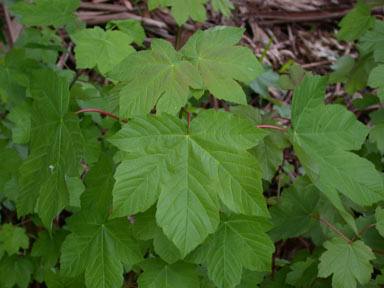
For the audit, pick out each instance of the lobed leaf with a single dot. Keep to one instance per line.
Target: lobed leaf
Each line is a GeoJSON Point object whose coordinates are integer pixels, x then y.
{"type": "Point", "coordinates": [13, 238]}
{"type": "Point", "coordinates": [98, 247]}
{"type": "Point", "coordinates": [292, 216]}
{"type": "Point", "coordinates": [156, 77]}
{"type": "Point", "coordinates": [221, 63]}
{"type": "Point", "coordinates": [55, 147]}
{"type": "Point", "coordinates": [356, 23]}
{"type": "Point", "coordinates": [348, 262]}
{"type": "Point", "coordinates": [240, 242]}
{"type": "Point", "coordinates": [186, 170]}
{"type": "Point", "coordinates": [46, 12]}
{"type": "Point", "coordinates": [104, 49]}
{"type": "Point", "coordinates": [322, 136]}
{"type": "Point", "coordinates": [158, 274]}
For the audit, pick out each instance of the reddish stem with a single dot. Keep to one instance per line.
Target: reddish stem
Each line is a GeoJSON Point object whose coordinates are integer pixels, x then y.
{"type": "Point", "coordinates": [363, 231]}
{"type": "Point", "coordinates": [188, 121]}
{"type": "Point", "coordinates": [332, 227]}
{"type": "Point", "coordinates": [189, 118]}
{"type": "Point", "coordinates": [101, 112]}
{"type": "Point", "coordinates": [378, 252]}
{"type": "Point", "coordinates": [272, 127]}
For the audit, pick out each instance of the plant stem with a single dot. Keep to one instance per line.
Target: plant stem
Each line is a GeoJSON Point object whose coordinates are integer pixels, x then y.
{"type": "Point", "coordinates": [363, 231]}
{"type": "Point", "coordinates": [332, 227]}
{"type": "Point", "coordinates": [378, 252]}
{"type": "Point", "coordinates": [188, 122]}
{"type": "Point", "coordinates": [178, 37]}
{"type": "Point", "coordinates": [272, 127]}
{"type": "Point", "coordinates": [189, 118]}
{"type": "Point", "coordinates": [101, 112]}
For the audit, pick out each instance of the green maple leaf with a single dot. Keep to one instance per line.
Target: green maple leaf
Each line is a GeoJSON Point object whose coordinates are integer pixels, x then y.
{"type": "Point", "coordinates": [292, 216]}
{"type": "Point", "coordinates": [13, 238]}
{"type": "Point", "coordinates": [46, 12]}
{"type": "Point", "coordinates": [48, 247]}
{"type": "Point", "coordinates": [9, 163]}
{"type": "Point", "coordinates": [131, 27]}
{"type": "Point", "coordinates": [55, 279]}
{"type": "Point", "coordinates": [159, 274]}
{"type": "Point", "coordinates": [20, 115]}
{"type": "Point", "coordinates": [240, 242]}
{"type": "Point", "coordinates": [145, 228]}
{"type": "Point", "coordinates": [15, 271]}
{"type": "Point", "coordinates": [186, 170]}
{"type": "Point", "coordinates": [221, 63]}
{"type": "Point", "coordinates": [376, 80]}
{"type": "Point", "coordinates": [348, 262]}
{"type": "Point", "coordinates": [156, 77]}
{"type": "Point", "coordinates": [322, 136]}
{"type": "Point", "coordinates": [153, 4]}
{"type": "Point", "coordinates": [356, 23]}
{"type": "Point", "coordinates": [98, 195]}
{"type": "Point", "coordinates": [224, 6]}
{"type": "Point", "coordinates": [269, 150]}
{"type": "Point", "coordinates": [104, 49]}
{"type": "Point", "coordinates": [182, 9]}
{"type": "Point", "coordinates": [98, 247]}
{"type": "Point", "coordinates": [55, 148]}
{"type": "Point", "coordinates": [373, 41]}
{"type": "Point", "coordinates": [303, 273]}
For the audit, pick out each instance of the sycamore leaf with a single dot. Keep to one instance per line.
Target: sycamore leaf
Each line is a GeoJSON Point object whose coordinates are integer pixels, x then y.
{"type": "Point", "coordinates": [13, 238]}
{"type": "Point", "coordinates": [182, 9]}
{"type": "Point", "coordinates": [40, 45]}
{"type": "Point", "coordinates": [46, 12]}
{"type": "Point", "coordinates": [55, 148]}
{"type": "Point", "coordinates": [98, 247]}
{"type": "Point", "coordinates": [380, 220]}
{"type": "Point", "coordinates": [224, 6]}
{"type": "Point", "coordinates": [294, 78]}
{"type": "Point", "coordinates": [98, 194]}
{"type": "Point", "coordinates": [292, 216]}
{"type": "Point", "coordinates": [15, 271]}
{"type": "Point", "coordinates": [186, 170]}
{"type": "Point", "coordinates": [376, 80]}
{"type": "Point", "coordinates": [303, 273]}
{"type": "Point", "coordinates": [145, 228]}
{"type": "Point", "coordinates": [269, 150]}
{"type": "Point", "coordinates": [55, 279]}
{"type": "Point", "coordinates": [153, 4]}
{"type": "Point", "coordinates": [20, 115]}
{"type": "Point", "coordinates": [221, 63]}
{"type": "Point", "coordinates": [155, 77]}
{"type": "Point", "coordinates": [240, 242]}
{"type": "Point", "coordinates": [357, 78]}
{"type": "Point", "coordinates": [250, 279]}
{"type": "Point", "coordinates": [104, 49]}
{"type": "Point", "coordinates": [348, 262]}
{"type": "Point", "coordinates": [131, 27]}
{"type": "Point", "coordinates": [322, 136]}
{"type": "Point", "coordinates": [374, 41]}
{"type": "Point", "coordinates": [48, 247]}
{"type": "Point", "coordinates": [356, 23]}
{"type": "Point", "coordinates": [9, 163]}
{"type": "Point", "coordinates": [341, 69]}
{"type": "Point", "coordinates": [159, 274]}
